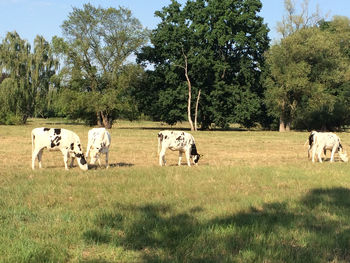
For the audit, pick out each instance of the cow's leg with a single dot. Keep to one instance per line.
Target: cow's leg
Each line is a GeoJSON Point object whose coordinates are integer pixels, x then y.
{"type": "Point", "coordinates": [40, 155]}
{"type": "Point", "coordinates": [71, 162]}
{"type": "Point", "coordinates": [188, 157]}
{"type": "Point", "coordinates": [180, 158]}
{"type": "Point", "coordinates": [34, 155]}
{"type": "Point", "coordinates": [333, 152]}
{"type": "Point", "coordinates": [162, 158]}
{"type": "Point", "coordinates": [65, 158]}
{"type": "Point", "coordinates": [319, 152]}
{"type": "Point", "coordinates": [107, 165]}
{"type": "Point", "coordinates": [314, 148]}
{"type": "Point", "coordinates": [99, 159]}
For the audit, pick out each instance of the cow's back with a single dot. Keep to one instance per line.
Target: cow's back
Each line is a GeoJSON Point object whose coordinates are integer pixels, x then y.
{"type": "Point", "coordinates": [326, 139]}
{"type": "Point", "coordinates": [98, 135]}
{"type": "Point", "coordinates": [55, 138]}
{"type": "Point", "coordinates": [175, 140]}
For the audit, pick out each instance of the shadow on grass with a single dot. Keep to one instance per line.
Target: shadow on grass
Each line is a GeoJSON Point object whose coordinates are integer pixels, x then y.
{"type": "Point", "coordinates": [313, 229]}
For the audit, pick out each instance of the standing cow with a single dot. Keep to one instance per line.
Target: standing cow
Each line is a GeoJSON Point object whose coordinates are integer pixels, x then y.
{"type": "Point", "coordinates": [321, 141]}
{"type": "Point", "coordinates": [57, 139]}
{"type": "Point", "coordinates": [99, 141]}
{"type": "Point", "coordinates": [177, 141]}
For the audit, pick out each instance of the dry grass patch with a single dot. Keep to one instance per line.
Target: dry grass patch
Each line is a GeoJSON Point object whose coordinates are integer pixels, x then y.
{"type": "Point", "coordinates": [253, 198]}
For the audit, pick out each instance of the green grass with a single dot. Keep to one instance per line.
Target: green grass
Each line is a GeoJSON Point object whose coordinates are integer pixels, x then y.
{"type": "Point", "coordinates": [253, 198]}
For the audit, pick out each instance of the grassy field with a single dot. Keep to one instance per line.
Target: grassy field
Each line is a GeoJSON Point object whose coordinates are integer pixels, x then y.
{"type": "Point", "coordinates": [255, 197]}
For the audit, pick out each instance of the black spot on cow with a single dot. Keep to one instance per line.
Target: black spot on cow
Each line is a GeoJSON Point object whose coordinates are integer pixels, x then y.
{"type": "Point", "coordinates": [82, 158]}
{"type": "Point", "coordinates": [179, 138]}
{"type": "Point", "coordinates": [195, 153]}
{"type": "Point", "coordinates": [56, 141]}
{"type": "Point", "coordinates": [166, 137]}
{"type": "Point", "coordinates": [57, 131]}
{"type": "Point", "coordinates": [72, 146]}
{"type": "Point", "coordinates": [194, 150]}
{"type": "Point", "coordinates": [79, 147]}
{"type": "Point", "coordinates": [311, 139]}
{"type": "Point", "coordinates": [46, 129]}
{"type": "Point", "coordinates": [160, 136]}
{"type": "Point", "coordinates": [340, 147]}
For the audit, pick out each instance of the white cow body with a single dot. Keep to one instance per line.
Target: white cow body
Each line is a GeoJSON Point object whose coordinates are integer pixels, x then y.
{"type": "Point", "coordinates": [177, 141]}
{"type": "Point", "coordinates": [321, 141]}
{"type": "Point", "coordinates": [57, 139]}
{"type": "Point", "coordinates": [99, 140]}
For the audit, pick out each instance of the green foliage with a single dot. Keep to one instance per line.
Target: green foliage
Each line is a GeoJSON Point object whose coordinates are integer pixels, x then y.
{"type": "Point", "coordinates": [26, 80]}
{"type": "Point", "coordinates": [221, 44]}
{"type": "Point", "coordinates": [97, 45]}
{"type": "Point", "coordinates": [308, 80]}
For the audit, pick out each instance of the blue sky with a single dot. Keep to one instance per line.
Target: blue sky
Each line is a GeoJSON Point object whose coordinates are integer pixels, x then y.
{"type": "Point", "coordinates": [44, 17]}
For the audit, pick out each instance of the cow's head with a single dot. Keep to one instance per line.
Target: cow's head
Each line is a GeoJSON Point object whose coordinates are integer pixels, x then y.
{"type": "Point", "coordinates": [76, 152]}
{"type": "Point", "coordinates": [196, 158]}
{"type": "Point", "coordinates": [94, 154]}
{"type": "Point", "coordinates": [343, 155]}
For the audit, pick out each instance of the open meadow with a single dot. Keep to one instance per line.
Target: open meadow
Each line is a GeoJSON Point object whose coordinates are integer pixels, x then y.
{"type": "Point", "coordinates": [254, 197]}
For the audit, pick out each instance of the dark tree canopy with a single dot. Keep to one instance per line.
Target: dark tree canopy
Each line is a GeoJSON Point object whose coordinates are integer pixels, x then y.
{"type": "Point", "coordinates": [222, 43]}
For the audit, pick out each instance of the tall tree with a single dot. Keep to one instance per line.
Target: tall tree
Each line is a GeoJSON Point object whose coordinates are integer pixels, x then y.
{"type": "Point", "coordinates": [307, 70]}
{"type": "Point", "coordinates": [291, 23]}
{"type": "Point", "coordinates": [27, 77]}
{"type": "Point", "coordinates": [212, 46]}
{"type": "Point", "coordinates": [97, 45]}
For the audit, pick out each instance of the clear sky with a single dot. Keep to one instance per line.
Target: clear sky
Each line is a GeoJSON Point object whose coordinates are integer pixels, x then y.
{"type": "Point", "coordinates": [44, 17]}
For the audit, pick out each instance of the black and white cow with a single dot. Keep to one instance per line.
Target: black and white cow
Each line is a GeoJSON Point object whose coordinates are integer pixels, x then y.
{"type": "Point", "coordinates": [99, 140]}
{"type": "Point", "coordinates": [320, 142]}
{"type": "Point", "coordinates": [56, 139]}
{"type": "Point", "coordinates": [177, 141]}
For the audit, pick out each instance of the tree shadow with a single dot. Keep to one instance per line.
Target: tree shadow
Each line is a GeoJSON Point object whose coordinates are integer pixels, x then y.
{"type": "Point", "coordinates": [314, 229]}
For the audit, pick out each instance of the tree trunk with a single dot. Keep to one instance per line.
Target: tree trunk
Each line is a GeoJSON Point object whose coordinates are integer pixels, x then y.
{"type": "Point", "coordinates": [282, 125]}
{"type": "Point", "coordinates": [189, 95]}
{"type": "Point", "coordinates": [107, 120]}
{"type": "Point", "coordinates": [196, 111]}
{"type": "Point", "coordinates": [99, 119]}
{"type": "Point", "coordinates": [288, 126]}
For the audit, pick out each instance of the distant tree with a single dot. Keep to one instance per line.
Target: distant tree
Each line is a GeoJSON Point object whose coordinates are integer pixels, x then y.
{"type": "Point", "coordinates": [44, 69]}
{"type": "Point", "coordinates": [211, 46]}
{"type": "Point", "coordinates": [25, 78]}
{"type": "Point", "coordinates": [307, 72]}
{"type": "Point", "coordinates": [289, 75]}
{"type": "Point", "coordinates": [293, 21]}
{"type": "Point", "coordinates": [97, 45]}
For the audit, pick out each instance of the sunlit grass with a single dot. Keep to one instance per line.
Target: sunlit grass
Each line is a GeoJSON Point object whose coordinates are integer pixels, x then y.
{"type": "Point", "coordinates": [253, 198]}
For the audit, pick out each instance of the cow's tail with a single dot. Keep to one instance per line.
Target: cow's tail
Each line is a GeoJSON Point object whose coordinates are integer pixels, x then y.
{"type": "Point", "coordinates": [160, 140]}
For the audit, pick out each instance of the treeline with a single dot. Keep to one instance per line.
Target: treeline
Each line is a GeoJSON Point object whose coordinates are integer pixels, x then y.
{"type": "Point", "coordinates": [208, 62]}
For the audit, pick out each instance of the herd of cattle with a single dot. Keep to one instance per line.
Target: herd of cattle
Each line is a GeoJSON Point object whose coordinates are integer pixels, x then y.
{"type": "Point", "coordinates": [99, 141]}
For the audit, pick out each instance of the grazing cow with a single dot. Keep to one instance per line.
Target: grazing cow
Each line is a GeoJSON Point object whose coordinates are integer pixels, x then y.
{"type": "Point", "coordinates": [310, 142]}
{"type": "Point", "coordinates": [99, 141]}
{"type": "Point", "coordinates": [321, 141]}
{"type": "Point", "coordinates": [62, 140]}
{"type": "Point", "coordinates": [177, 141]}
